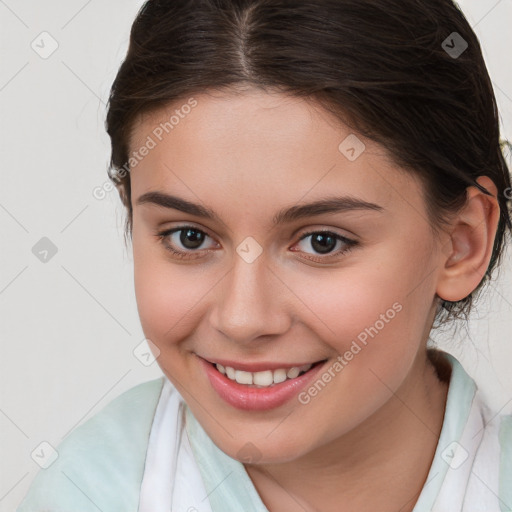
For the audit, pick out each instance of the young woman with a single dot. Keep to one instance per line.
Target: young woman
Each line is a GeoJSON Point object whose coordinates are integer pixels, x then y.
{"type": "Point", "coordinates": [310, 187]}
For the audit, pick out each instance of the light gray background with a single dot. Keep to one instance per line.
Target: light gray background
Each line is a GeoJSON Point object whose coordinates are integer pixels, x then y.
{"type": "Point", "coordinates": [69, 326]}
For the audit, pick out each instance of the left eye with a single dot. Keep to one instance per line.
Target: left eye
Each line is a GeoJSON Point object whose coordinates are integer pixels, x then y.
{"type": "Point", "coordinates": [324, 242]}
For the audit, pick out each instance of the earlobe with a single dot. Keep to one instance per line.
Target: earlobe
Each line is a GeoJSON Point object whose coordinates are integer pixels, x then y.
{"type": "Point", "coordinates": [472, 236]}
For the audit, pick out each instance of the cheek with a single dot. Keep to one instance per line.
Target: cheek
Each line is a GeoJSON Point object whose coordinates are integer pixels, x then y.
{"type": "Point", "coordinates": [376, 325]}
{"type": "Point", "coordinates": [167, 296]}
{"type": "Point", "coordinates": [377, 309]}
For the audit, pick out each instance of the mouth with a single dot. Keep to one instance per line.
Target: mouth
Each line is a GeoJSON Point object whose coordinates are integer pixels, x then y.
{"type": "Point", "coordinates": [267, 386]}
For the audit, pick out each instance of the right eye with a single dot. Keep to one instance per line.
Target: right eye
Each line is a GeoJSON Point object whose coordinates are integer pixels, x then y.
{"type": "Point", "coordinates": [188, 237]}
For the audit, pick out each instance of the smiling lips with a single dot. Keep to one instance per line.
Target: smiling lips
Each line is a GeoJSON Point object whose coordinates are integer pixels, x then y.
{"type": "Point", "coordinates": [258, 387]}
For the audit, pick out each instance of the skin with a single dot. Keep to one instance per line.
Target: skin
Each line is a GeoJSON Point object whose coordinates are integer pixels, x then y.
{"type": "Point", "coordinates": [367, 440]}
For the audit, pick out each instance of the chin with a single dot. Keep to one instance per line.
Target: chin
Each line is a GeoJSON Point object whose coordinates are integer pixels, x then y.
{"type": "Point", "coordinates": [260, 452]}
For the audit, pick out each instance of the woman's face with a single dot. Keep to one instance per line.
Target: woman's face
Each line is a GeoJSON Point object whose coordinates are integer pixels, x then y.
{"type": "Point", "coordinates": [259, 285]}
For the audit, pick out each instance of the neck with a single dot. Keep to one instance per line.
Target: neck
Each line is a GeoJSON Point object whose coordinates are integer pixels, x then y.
{"type": "Point", "coordinates": [381, 465]}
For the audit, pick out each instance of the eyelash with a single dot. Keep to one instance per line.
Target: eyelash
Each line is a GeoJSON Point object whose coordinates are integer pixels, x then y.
{"type": "Point", "coordinates": [162, 238]}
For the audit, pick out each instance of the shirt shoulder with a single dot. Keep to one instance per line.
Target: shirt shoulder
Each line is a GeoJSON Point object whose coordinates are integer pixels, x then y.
{"type": "Point", "coordinates": [100, 464]}
{"type": "Point", "coordinates": [489, 484]}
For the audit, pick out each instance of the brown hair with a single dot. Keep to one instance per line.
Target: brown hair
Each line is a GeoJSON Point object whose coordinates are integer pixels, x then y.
{"type": "Point", "coordinates": [386, 67]}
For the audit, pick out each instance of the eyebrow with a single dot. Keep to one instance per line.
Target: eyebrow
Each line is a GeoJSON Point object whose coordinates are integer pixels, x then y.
{"type": "Point", "coordinates": [335, 204]}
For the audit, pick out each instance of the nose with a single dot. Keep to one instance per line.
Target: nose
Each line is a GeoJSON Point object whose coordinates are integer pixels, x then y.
{"type": "Point", "coordinates": [251, 303]}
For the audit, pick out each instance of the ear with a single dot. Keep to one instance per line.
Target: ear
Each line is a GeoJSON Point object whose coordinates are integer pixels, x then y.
{"type": "Point", "coordinates": [471, 240]}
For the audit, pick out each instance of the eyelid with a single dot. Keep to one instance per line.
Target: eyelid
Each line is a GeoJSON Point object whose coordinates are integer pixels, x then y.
{"type": "Point", "coordinates": [347, 235]}
{"type": "Point", "coordinates": [305, 231]}
{"type": "Point", "coordinates": [348, 242]}
{"type": "Point", "coordinates": [183, 226]}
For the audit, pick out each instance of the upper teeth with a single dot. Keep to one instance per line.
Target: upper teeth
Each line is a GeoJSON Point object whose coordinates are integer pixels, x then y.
{"type": "Point", "coordinates": [262, 379]}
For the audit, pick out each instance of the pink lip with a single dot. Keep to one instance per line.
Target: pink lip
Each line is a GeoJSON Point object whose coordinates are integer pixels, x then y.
{"type": "Point", "coordinates": [256, 399]}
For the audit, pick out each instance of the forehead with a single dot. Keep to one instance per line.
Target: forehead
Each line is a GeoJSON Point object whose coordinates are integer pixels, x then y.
{"type": "Point", "coordinates": [271, 145]}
